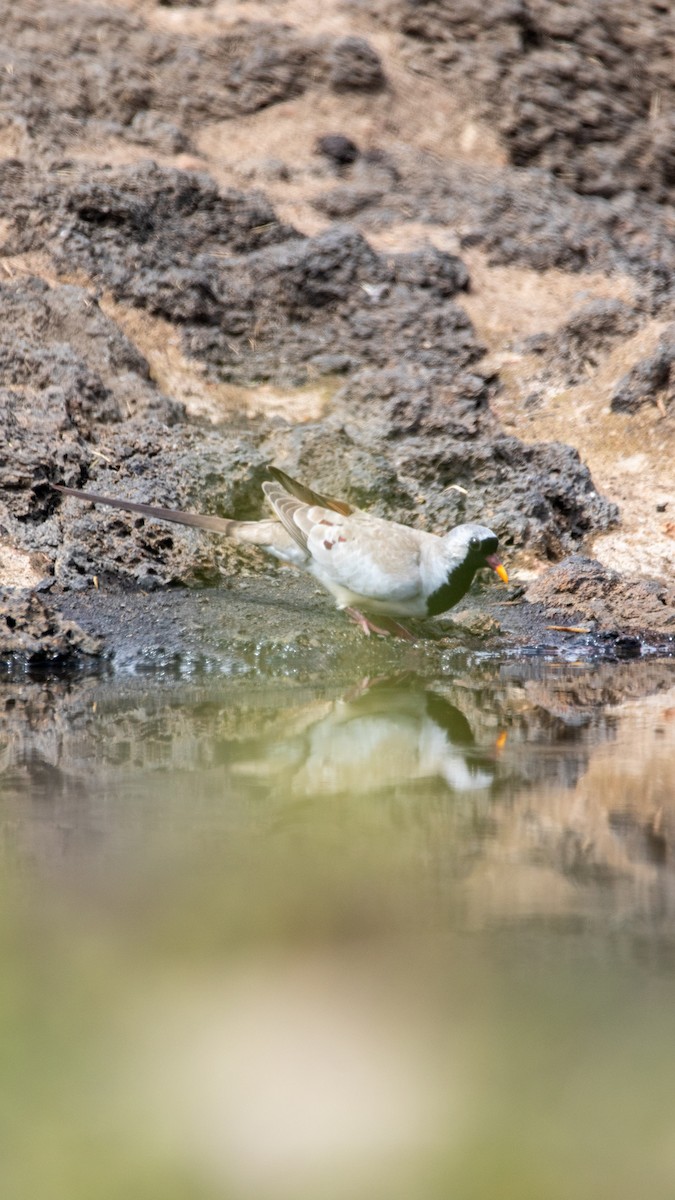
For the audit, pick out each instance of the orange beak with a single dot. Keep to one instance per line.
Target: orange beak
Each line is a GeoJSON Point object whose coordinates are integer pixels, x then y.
{"type": "Point", "coordinates": [493, 561]}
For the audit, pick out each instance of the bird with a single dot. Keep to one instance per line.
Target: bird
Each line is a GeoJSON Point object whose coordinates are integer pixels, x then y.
{"type": "Point", "coordinates": [365, 562]}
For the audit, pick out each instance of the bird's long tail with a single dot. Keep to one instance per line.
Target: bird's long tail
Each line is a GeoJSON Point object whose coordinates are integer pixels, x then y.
{"type": "Point", "coordinates": [267, 533]}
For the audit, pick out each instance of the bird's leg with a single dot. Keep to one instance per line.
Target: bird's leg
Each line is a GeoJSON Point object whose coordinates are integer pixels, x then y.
{"type": "Point", "coordinates": [365, 624]}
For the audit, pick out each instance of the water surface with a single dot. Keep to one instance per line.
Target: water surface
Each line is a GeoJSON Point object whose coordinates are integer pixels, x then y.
{"type": "Point", "coordinates": [395, 936]}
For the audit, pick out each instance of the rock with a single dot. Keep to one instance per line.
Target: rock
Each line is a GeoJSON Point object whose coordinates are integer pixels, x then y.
{"type": "Point", "coordinates": [569, 86]}
{"type": "Point", "coordinates": [201, 470]}
{"type": "Point", "coordinates": [443, 274]}
{"type": "Point", "coordinates": [33, 636]}
{"type": "Point", "coordinates": [148, 129]}
{"type": "Point", "coordinates": [59, 338]}
{"type": "Point", "coordinates": [580, 589]}
{"type": "Point", "coordinates": [540, 496]}
{"type": "Point", "coordinates": [340, 149]}
{"type": "Point", "coordinates": [588, 333]}
{"type": "Point", "coordinates": [353, 65]}
{"type": "Point", "coordinates": [341, 202]}
{"type": "Point", "coordinates": [650, 376]}
{"type": "Point", "coordinates": [469, 622]}
{"type": "Point", "coordinates": [133, 78]}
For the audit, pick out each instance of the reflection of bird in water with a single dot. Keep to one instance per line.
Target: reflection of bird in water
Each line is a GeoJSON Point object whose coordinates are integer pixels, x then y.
{"type": "Point", "coordinates": [382, 737]}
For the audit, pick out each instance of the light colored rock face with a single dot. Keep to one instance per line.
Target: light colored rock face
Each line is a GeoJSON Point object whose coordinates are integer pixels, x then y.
{"type": "Point", "coordinates": [630, 456]}
{"type": "Point", "coordinates": [18, 569]}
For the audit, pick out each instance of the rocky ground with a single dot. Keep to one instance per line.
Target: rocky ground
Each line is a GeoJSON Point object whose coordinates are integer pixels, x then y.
{"type": "Point", "coordinates": [392, 247]}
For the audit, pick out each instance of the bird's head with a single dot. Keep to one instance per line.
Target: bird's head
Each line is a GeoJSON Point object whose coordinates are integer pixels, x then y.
{"type": "Point", "coordinates": [476, 547]}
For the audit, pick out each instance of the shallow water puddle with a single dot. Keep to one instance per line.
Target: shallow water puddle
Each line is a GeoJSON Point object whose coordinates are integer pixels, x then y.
{"type": "Point", "coordinates": [387, 936]}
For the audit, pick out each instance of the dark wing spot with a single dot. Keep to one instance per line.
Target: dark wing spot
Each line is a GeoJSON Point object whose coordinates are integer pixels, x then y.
{"type": "Point", "coordinates": [325, 522]}
{"type": "Point", "coordinates": [328, 545]}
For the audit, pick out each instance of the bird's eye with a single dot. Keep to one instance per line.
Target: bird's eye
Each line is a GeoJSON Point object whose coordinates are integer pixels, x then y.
{"type": "Point", "coordinates": [474, 543]}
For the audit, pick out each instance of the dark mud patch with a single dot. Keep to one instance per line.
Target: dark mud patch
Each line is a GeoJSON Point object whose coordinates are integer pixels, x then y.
{"type": "Point", "coordinates": [280, 626]}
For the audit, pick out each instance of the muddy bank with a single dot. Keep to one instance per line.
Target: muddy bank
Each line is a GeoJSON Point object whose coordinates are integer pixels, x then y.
{"type": "Point", "coordinates": [176, 313]}
{"type": "Point", "coordinates": [285, 627]}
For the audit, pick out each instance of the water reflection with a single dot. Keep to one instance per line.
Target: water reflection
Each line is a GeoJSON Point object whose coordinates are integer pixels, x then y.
{"type": "Point", "coordinates": [520, 772]}
{"type": "Point", "coordinates": [381, 734]}
{"type": "Point", "coordinates": [290, 940]}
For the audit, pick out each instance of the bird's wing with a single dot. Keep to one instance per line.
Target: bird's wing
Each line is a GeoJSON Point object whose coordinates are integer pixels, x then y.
{"type": "Point", "coordinates": [371, 557]}
{"type": "Point", "coordinates": [304, 493]}
{"type": "Point", "coordinates": [366, 555]}
{"type": "Point", "coordinates": [289, 511]}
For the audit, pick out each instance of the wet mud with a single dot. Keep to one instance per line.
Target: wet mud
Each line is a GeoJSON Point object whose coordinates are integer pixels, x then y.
{"type": "Point", "coordinates": [125, 239]}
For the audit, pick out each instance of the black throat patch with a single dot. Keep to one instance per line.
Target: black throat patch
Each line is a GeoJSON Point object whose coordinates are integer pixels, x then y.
{"type": "Point", "coordinates": [449, 593]}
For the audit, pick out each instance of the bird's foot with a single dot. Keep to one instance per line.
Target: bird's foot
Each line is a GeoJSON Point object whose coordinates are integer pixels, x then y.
{"type": "Point", "coordinates": [386, 629]}
{"type": "Point", "coordinates": [365, 624]}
